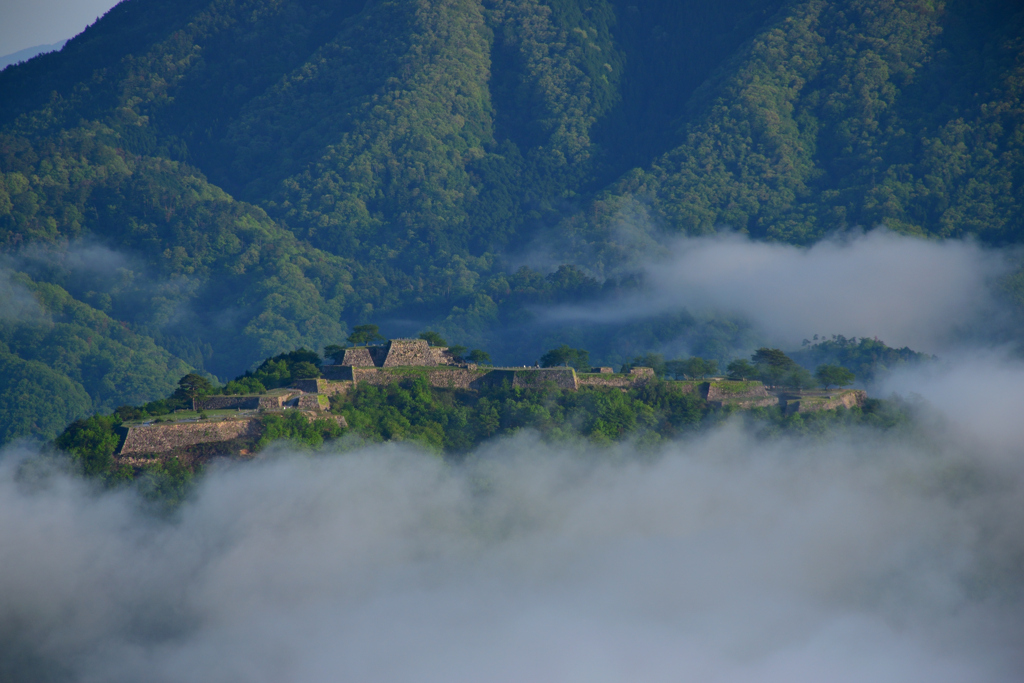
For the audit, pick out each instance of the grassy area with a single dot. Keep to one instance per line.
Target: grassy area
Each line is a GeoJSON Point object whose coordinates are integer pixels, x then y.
{"type": "Point", "coordinates": [737, 387]}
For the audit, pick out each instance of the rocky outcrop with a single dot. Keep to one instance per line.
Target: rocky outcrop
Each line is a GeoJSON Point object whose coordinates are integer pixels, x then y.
{"type": "Point", "coordinates": [163, 438]}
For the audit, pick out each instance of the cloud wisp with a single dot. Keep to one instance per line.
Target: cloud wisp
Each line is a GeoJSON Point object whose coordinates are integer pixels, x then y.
{"type": "Point", "coordinates": [904, 290]}
{"type": "Point", "coordinates": [722, 559]}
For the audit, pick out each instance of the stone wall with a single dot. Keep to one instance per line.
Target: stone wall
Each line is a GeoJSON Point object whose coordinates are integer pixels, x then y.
{"type": "Point", "coordinates": [409, 352]}
{"type": "Point", "coordinates": [607, 378]}
{"type": "Point", "coordinates": [337, 373]}
{"type": "Point", "coordinates": [229, 403]}
{"type": "Point", "coordinates": [164, 438]}
{"type": "Point", "coordinates": [312, 402]}
{"type": "Point", "coordinates": [322, 386]}
{"type": "Point", "coordinates": [359, 356]}
{"type": "Point", "coordinates": [442, 377]}
{"type": "Point", "coordinates": [273, 402]}
{"type": "Point", "coordinates": [441, 355]}
{"type": "Point", "coordinates": [532, 378]}
{"type": "Point", "coordinates": [616, 380]}
{"type": "Point", "coordinates": [811, 404]}
{"type": "Point", "coordinates": [724, 391]}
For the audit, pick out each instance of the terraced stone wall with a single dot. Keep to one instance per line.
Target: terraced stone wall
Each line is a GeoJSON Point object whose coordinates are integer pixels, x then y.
{"type": "Point", "coordinates": [337, 373]}
{"type": "Point", "coordinates": [724, 391]}
{"type": "Point", "coordinates": [273, 402]}
{"type": "Point", "coordinates": [359, 356]}
{"type": "Point", "coordinates": [164, 438]}
{"type": "Point", "coordinates": [533, 378]}
{"type": "Point", "coordinates": [812, 404]}
{"type": "Point", "coordinates": [229, 403]}
{"type": "Point", "coordinates": [622, 381]}
{"type": "Point", "coordinates": [442, 378]}
{"type": "Point", "coordinates": [409, 352]}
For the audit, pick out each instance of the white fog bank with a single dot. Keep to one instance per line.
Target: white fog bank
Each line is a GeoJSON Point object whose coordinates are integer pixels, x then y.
{"type": "Point", "coordinates": [723, 559]}
{"type": "Point", "coordinates": [906, 291]}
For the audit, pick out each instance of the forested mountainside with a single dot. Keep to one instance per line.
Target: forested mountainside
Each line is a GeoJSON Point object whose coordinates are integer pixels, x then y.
{"type": "Point", "coordinates": [198, 185]}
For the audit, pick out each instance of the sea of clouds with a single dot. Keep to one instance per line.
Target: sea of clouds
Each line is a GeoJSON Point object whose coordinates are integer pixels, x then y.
{"type": "Point", "coordinates": [865, 556]}
{"type": "Point", "coordinates": [870, 556]}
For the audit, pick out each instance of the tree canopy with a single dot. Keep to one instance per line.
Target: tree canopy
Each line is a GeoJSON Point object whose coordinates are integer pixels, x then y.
{"type": "Point", "coordinates": [566, 355]}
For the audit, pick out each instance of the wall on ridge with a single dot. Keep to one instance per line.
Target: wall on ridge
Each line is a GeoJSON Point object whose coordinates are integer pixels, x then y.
{"type": "Point", "coordinates": [328, 386]}
{"type": "Point", "coordinates": [619, 380]}
{"type": "Point", "coordinates": [358, 356]}
{"type": "Point", "coordinates": [811, 404]}
{"type": "Point", "coordinates": [229, 403]}
{"type": "Point", "coordinates": [409, 352]}
{"type": "Point", "coordinates": [164, 438]}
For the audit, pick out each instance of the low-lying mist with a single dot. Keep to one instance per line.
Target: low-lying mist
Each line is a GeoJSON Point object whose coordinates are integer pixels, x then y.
{"type": "Point", "coordinates": [870, 556]}
{"type": "Point", "coordinates": [929, 295]}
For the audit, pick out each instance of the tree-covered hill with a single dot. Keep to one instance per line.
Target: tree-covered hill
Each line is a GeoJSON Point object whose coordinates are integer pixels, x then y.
{"type": "Point", "coordinates": [265, 174]}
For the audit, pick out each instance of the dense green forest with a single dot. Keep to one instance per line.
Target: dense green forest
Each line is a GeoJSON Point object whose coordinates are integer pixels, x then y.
{"type": "Point", "coordinates": [199, 185]}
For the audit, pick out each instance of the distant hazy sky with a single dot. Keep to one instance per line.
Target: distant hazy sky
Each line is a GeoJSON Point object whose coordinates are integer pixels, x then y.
{"type": "Point", "coordinates": [27, 23]}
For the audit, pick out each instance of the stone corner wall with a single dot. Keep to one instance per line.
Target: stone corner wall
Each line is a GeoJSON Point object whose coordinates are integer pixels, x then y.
{"type": "Point", "coordinates": [272, 402]}
{"type": "Point", "coordinates": [312, 402]}
{"type": "Point", "coordinates": [441, 356]}
{"type": "Point", "coordinates": [359, 357]}
{"type": "Point", "coordinates": [409, 352]}
{"type": "Point", "coordinates": [647, 373]}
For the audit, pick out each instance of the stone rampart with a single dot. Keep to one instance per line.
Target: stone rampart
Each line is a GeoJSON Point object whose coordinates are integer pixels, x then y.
{"type": "Point", "coordinates": [441, 355]}
{"type": "Point", "coordinates": [359, 356]}
{"type": "Point", "coordinates": [725, 391]}
{"type": "Point", "coordinates": [532, 378]}
{"type": "Point", "coordinates": [309, 386]}
{"type": "Point", "coordinates": [164, 438]}
{"type": "Point", "coordinates": [313, 402]}
{"type": "Point", "coordinates": [229, 403]}
{"type": "Point", "coordinates": [606, 378]}
{"type": "Point", "coordinates": [442, 377]}
{"type": "Point", "coordinates": [322, 386]}
{"type": "Point", "coordinates": [811, 404]}
{"type": "Point", "coordinates": [273, 402]}
{"type": "Point", "coordinates": [409, 352]}
{"type": "Point", "coordinates": [337, 373]}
